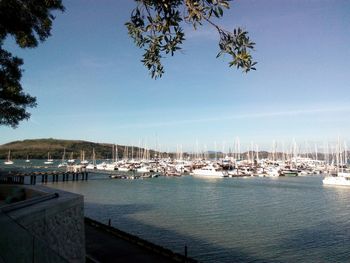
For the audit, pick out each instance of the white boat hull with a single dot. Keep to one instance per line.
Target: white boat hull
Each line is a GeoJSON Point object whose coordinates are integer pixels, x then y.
{"type": "Point", "coordinates": [90, 167]}
{"type": "Point", "coordinates": [338, 180]}
{"type": "Point", "coordinates": [143, 170]}
{"type": "Point", "coordinates": [208, 174]}
{"type": "Point", "coordinates": [123, 169]}
{"type": "Point", "coordinates": [110, 167]}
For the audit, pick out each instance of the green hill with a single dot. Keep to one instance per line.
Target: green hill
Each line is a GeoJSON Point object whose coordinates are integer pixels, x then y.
{"type": "Point", "coordinates": [39, 148]}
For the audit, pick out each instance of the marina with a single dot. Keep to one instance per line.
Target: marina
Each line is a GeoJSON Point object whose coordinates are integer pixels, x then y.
{"type": "Point", "coordinates": [174, 131]}
{"type": "Point", "coordinates": [218, 207]}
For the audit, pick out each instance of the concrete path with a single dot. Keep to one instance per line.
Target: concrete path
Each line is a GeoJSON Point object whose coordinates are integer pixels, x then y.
{"type": "Point", "coordinates": [102, 246]}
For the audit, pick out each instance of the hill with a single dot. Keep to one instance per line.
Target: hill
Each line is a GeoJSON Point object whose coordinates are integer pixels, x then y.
{"type": "Point", "coordinates": [39, 148]}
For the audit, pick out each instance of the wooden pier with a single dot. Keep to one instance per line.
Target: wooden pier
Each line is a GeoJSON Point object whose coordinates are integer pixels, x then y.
{"type": "Point", "coordinates": [71, 174]}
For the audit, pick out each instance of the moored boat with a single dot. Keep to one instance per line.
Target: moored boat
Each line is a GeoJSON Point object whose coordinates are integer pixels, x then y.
{"type": "Point", "coordinates": [289, 172]}
{"type": "Point", "coordinates": [8, 161]}
{"type": "Point", "coordinates": [342, 178]}
{"type": "Point", "coordinates": [209, 172]}
{"type": "Point", "coordinates": [49, 160]}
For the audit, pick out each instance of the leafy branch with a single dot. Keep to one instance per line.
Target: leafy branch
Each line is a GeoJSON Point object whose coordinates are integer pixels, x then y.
{"type": "Point", "coordinates": [156, 27]}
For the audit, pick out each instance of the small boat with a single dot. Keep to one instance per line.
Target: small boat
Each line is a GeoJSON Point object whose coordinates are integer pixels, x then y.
{"type": "Point", "coordinates": [116, 176]}
{"type": "Point", "coordinates": [92, 166]}
{"type": "Point", "coordinates": [124, 168]}
{"type": "Point", "coordinates": [27, 160]}
{"type": "Point", "coordinates": [143, 169]}
{"type": "Point", "coordinates": [289, 172]}
{"type": "Point", "coordinates": [172, 173]}
{"type": "Point", "coordinates": [82, 158]}
{"type": "Point", "coordinates": [49, 160]}
{"type": "Point", "coordinates": [110, 167]}
{"type": "Point", "coordinates": [101, 166]}
{"type": "Point", "coordinates": [8, 161]}
{"type": "Point", "coordinates": [272, 172]}
{"type": "Point", "coordinates": [63, 163]}
{"type": "Point", "coordinates": [71, 160]}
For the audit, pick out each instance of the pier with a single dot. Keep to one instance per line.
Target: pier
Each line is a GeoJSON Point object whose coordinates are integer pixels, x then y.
{"type": "Point", "coordinates": [71, 174]}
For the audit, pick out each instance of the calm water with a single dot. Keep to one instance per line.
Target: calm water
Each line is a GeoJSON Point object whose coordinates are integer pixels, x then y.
{"type": "Point", "coordinates": [255, 219]}
{"type": "Point", "coordinates": [227, 220]}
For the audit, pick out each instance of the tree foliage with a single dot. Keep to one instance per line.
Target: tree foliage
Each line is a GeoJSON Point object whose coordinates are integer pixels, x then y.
{"type": "Point", "coordinates": [28, 22]}
{"type": "Point", "coordinates": [156, 26]}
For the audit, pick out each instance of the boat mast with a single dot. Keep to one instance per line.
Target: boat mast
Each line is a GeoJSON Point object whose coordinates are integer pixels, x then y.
{"type": "Point", "coordinates": [64, 154]}
{"type": "Point", "coordinates": [116, 153]}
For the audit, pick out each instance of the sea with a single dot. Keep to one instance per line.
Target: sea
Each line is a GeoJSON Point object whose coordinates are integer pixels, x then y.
{"type": "Point", "coordinates": [284, 219]}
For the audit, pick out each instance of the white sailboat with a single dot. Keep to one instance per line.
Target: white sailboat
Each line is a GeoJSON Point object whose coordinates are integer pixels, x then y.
{"type": "Point", "coordinates": [27, 160]}
{"type": "Point", "coordinates": [342, 177]}
{"type": "Point", "coordinates": [71, 160]}
{"type": "Point", "coordinates": [92, 166]}
{"type": "Point", "coordinates": [63, 163]}
{"type": "Point", "coordinates": [112, 166]}
{"type": "Point", "coordinates": [83, 161]}
{"type": "Point", "coordinates": [8, 161]}
{"type": "Point", "coordinates": [49, 160]}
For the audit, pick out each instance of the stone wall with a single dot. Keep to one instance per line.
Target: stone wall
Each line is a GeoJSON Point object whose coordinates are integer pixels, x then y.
{"type": "Point", "coordinates": [58, 222]}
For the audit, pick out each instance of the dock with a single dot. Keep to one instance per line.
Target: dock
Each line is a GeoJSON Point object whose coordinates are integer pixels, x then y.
{"type": "Point", "coordinates": [70, 174]}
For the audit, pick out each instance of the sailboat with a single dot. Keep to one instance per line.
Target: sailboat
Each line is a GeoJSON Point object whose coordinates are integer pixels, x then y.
{"type": "Point", "coordinates": [71, 160]}
{"type": "Point", "coordinates": [8, 161]}
{"type": "Point", "coordinates": [27, 160]}
{"type": "Point", "coordinates": [93, 164]}
{"type": "Point", "coordinates": [63, 163]}
{"type": "Point", "coordinates": [112, 166]}
{"type": "Point", "coordinates": [49, 160]}
{"type": "Point", "coordinates": [83, 161]}
{"type": "Point", "coordinates": [343, 175]}
{"type": "Point", "coordinates": [342, 178]}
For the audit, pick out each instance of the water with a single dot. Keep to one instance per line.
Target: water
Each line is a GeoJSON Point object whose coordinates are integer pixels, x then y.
{"type": "Point", "coordinates": [227, 220]}
{"type": "Point", "coordinates": [253, 219]}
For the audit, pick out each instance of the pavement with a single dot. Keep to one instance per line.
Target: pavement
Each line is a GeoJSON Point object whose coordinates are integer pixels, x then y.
{"type": "Point", "coordinates": [102, 246]}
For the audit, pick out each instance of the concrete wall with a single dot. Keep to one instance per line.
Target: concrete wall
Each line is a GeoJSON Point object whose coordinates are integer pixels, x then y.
{"type": "Point", "coordinates": [58, 222]}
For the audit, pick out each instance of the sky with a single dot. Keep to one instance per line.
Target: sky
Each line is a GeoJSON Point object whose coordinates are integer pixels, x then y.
{"type": "Point", "coordinates": [90, 83]}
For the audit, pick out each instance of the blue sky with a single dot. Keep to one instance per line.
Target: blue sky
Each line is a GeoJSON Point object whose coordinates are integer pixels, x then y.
{"type": "Point", "coordinates": [90, 84]}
